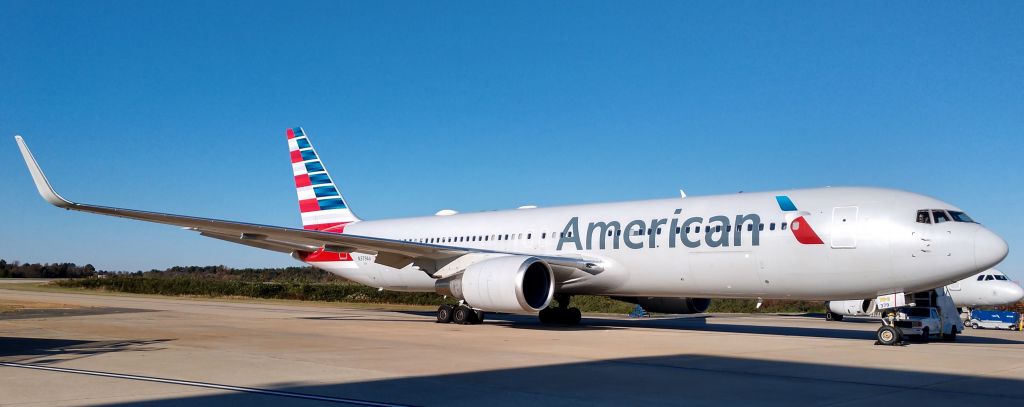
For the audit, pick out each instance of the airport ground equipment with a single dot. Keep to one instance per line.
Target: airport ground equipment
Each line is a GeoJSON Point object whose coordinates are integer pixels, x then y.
{"type": "Point", "coordinates": [639, 312]}
{"type": "Point", "coordinates": [910, 322]}
{"type": "Point", "coordinates": [994, 320]}
{"type": "Point", "coordinates": [920, 314]}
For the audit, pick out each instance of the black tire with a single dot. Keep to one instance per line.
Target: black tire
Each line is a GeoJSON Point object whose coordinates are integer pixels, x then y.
{"type": "Point", "coordinates": [479, 317]}
{"type": "Point", "coordinates": [546, 316]}
{"type": "Point", "coordinates": [829, 316]}
{"type": "Point", "coordinates": [573, 316]}
{"type": "Point", "coordinates": [975, 325]}
{"type": "Point", "coordinates": [837, 317]}
{"type": "Point", "coordinates": [888, 335]}
{"type": "Point", "coordinates": [924, 335]}
{"type": "Point", "coordinates": [463, 315]}
{"type": "Point", "coordinates": [951, 336]}
{"type": "Point", "coordinates": [444, 314]}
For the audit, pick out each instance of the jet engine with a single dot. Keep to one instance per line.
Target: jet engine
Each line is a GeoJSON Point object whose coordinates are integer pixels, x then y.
{"type": "Point", "coordinates": [505, 284]}
{"type": "Point", "coordinates": [851, 308]}
{"type": "Point", "coordinates": [669, 305]}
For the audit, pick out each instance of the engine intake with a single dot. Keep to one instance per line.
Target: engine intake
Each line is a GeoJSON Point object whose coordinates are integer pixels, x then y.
{"type": "Point", "coordinates": [669, 305]}
{"type": "Point", "coordinates": [504, 284]}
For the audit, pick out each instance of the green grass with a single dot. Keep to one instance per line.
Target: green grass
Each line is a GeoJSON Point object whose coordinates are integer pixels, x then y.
{"type": "Point", "coordinates": [352, 293]}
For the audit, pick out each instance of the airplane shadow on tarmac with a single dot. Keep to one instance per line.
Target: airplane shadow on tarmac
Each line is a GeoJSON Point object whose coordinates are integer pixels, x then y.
{"type": "Point", "coordinates": [42, 351]}
{"type": "Point", "coordinates": [684, 379]}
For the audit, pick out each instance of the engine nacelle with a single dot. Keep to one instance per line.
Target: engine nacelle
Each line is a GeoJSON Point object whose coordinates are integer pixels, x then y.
{"type": "Point", "coordinates": [504, 284]}
{"type": "Point", "coordinates": [853, 308]}
{"type": "Point", "coordinates": [669, 305]}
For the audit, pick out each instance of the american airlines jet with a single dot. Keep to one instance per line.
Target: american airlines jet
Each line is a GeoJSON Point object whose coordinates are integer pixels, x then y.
{"type": "Point", "coordinates": [674, 254]}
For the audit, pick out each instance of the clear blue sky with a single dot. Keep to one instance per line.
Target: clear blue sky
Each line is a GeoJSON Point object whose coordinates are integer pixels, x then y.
{"type": "Point", "coordinates": [418, 106]}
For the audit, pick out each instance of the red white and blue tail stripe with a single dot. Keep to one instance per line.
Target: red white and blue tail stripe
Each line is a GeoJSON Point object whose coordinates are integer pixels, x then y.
{"type": "Point", "coordinates": [320, 200]}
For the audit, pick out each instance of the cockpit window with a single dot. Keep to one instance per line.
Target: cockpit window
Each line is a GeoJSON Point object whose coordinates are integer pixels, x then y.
{"type": "Point", "coordinates": [960, 217]}
{"type": "Point", "coordinates": [1000, 277]}
{"type": "Point", "coordinates": [923, 217]}
{"type": "Point", "coordinates": [940, 216]}
{"type": "Point", "coordinates": [989, 278]}
{"type": "Point", "coordinates": [981, 277]}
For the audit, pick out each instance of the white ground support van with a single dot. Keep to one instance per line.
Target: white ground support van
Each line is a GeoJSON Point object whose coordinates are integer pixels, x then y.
{"type": "Point", "coordinates": [921, 315]}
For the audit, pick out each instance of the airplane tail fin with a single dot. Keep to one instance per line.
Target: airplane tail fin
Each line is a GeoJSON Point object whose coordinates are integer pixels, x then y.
{"type": "Point", "coordinates": [320, 201]}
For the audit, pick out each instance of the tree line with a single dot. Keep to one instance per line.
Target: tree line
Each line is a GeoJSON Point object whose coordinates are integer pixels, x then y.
{"type": "Point", "coordinates": [17, 269]}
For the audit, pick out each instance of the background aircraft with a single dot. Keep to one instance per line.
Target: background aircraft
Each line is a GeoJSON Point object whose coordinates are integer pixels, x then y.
{"type": "Point", "coordinates": [985, 289]}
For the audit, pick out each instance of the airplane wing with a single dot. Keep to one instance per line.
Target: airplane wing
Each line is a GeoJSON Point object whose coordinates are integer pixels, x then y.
{"type": "Point", "coordinates": [389, 252]}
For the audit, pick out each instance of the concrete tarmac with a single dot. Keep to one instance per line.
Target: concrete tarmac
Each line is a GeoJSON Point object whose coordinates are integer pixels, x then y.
{"type": "Point", "coordinates": [117, 349]}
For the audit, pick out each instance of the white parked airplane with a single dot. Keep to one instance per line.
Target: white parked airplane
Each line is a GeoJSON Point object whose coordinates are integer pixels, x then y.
{"type": "Point", "coordinates": [815, 244]}
{"type": "Point", "coordinates": [985, 289]}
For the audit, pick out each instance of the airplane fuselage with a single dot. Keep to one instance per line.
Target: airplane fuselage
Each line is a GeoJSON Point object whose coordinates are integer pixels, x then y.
{"type": "Point", "coordinates": [847, 243]}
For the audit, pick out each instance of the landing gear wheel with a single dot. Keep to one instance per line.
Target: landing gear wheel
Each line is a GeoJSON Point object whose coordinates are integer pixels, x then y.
{"type": "Point", "coordinates": [832, 316]}
{"type": "Point", "coordinates": [464, 315]}
{"type": "Point", "coordinates": [444, 314]}
{"type": "Point", "coordinates": [547, 316]}
{"type": "Point", "coordinates": [888, 335]}
{"type": "Point", "coordinates": [560, 316]}
{"type": "Point", "coordinates": [573, 316]}
{"type": "Point", "coordinates": [479, 317]}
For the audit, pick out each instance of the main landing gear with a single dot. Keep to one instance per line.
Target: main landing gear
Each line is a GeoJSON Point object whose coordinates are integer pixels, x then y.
{"type": "Point", "coordinates": [461, 314]}
{"type": "Point", "coordinates": [562, 314]}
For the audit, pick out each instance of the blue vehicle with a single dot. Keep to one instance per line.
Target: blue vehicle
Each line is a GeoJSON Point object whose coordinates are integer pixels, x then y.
{"type": "Point", "coordinates": [994, 320]}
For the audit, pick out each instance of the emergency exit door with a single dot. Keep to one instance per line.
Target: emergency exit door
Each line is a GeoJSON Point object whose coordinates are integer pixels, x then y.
{"type": "Point", "coordinates": [844, 227]}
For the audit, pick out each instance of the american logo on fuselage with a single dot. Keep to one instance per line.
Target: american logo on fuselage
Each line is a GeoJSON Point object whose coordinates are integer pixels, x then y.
{"type": "Point", "coordinates": [719, 231]}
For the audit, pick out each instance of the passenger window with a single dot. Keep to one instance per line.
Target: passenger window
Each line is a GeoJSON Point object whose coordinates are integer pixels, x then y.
{"type": "Point", "coordinates": [923, 217]}
{"type": "Point", "coordinates": [783, 225]}
{"type": "Point", "coordinates": [529, 236]}
{"type": "Point", "coordinates": [544, 235]}
{"type": "Point", "coordinates": [718, 228]}
{"type": "Point", "coordinates": [728, 228]}
{"type": "Point", "coordinates": [750, 227]}
{"type": "Point", "coordinates": [707, 229]}
{"type": "Point", "coordinates": [687, 229]}
{"type": "Point", "coordinates": [940, 216]}
{"type": "Point", "coordinates": [771, 226]}
{"type": "Point", "coordinates": [618, 232]}
{"type": "Point", "coordinates": [659, 231]}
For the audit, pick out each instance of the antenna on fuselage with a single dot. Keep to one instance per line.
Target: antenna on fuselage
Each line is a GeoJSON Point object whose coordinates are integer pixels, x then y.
{"type": "Point", "coordinates": [682, 194]}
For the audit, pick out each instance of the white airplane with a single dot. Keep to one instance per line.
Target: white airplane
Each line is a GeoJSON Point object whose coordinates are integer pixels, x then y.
{"type": "Point", "coordinates": [985, 289]}
{"type": "Point", "coordinates": [814, 244]}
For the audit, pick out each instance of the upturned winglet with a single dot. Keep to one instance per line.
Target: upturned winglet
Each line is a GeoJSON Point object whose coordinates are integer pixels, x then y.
{"type": "Point", "coordinates": [45, 190]}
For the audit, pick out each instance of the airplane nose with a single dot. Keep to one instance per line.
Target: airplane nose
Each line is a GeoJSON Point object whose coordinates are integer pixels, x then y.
{"type": "Point", "coordinates": [989, 249]}
{"type": "Point", "coordinates": [1014, 293]}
